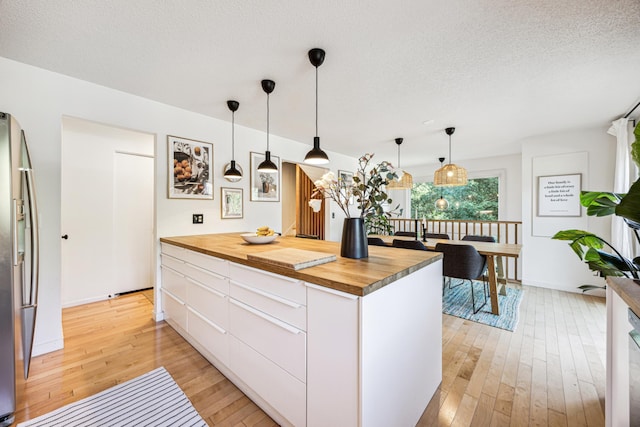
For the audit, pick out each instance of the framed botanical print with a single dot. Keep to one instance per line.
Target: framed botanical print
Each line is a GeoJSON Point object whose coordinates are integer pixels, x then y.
{"type": "Point", "coordinates": [231, 200]}
{"type": "Point", "coordinates": [265, 187]}
{"type": "Point", "coordinates": [190, 168]}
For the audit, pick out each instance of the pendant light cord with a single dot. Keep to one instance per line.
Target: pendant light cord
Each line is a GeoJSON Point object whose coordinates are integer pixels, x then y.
{"type": "Point", "coordinates": [449, 148]}
{"type": "Point", "coordinates": [267, 122]}
{"type": "Point", "coordinates": [316, 101]}
{"type": "Point", "coordinates": [233, 134]}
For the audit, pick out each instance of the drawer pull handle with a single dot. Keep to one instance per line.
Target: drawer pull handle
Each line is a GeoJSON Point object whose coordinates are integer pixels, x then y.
{"type": "Point", "coordinates": [207, 321]}
{"type": "Point", "coordinates": [217, 276]}
{"type": "Point", "coordinates": [172, 258]}
{"type": "Point", "coordinates": [269, 319]}
{"type": "Point", "coordinates": [206, 288]}
{"type": "Point", "coordinates": [268, 295]}
{"type": "Point", "coordinates": [164, 267]}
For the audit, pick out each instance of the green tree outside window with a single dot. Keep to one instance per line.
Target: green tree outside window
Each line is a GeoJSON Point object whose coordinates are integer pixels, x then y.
{"type": "Point", "coordinates": [478, 200]}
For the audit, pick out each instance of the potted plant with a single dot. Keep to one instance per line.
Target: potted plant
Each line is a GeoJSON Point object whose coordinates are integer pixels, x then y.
{"type": "Point", "coordinates": [590, 247]}
{"type": "Point", "coordinates": [368, 190]}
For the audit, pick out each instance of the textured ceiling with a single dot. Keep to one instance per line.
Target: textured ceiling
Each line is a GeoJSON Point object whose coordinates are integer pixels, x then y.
{"type": "Point", "coordinates": [498, 71]}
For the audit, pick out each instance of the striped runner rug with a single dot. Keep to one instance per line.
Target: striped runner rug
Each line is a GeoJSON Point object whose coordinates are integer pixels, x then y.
{"type": "Point", "coordinates": [152, 399]}
{"type": "Point", "coordinates": [457, 302]}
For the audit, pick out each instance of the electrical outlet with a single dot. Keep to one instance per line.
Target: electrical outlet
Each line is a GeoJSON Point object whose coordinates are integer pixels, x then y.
{"type": "Point", "coordinates": [198, 218]}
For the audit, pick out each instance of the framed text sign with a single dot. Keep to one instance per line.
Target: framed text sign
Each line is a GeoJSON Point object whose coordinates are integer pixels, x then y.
{"type": "Point", "coordinates": [559, 195]}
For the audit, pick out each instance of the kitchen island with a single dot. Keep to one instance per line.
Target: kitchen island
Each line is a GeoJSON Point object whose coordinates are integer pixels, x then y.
{"type": "Point", "coordinates": [344, 343]}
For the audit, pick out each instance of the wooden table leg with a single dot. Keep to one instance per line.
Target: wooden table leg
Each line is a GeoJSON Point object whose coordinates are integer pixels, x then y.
{"type": "Point", "coordinates": [503, 280]}
{"type": "Point", "coordinates": [493, 284]}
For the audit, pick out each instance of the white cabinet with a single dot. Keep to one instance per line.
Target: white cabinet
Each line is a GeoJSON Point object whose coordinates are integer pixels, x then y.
{"type": "Point", "coordinates": [267, 323]}
{"type": "Point", "coordinates": [306, 354]}
{"type": "Point", "coordinates": [195, 297]}
{"type": "Point", "coordinates": [617, 394]}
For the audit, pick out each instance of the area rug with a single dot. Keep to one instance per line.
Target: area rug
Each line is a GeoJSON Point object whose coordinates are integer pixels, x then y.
{"type": "Point", "coordinates": [152, 399]}
{"type": "Point", "coordinates": [457, 302]}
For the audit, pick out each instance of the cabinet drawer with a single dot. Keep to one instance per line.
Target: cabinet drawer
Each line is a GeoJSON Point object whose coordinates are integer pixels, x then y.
{"type": "Point", "coordinates": [216, 265]}
{"type": "Point", "coordinates": [174, 310]}
{"type": "Point", "coordinates": [283, 392]}
{"type": "Point", "coordinates": [283, 309]}
{"type": "Point", "coordinates": [280, 342]}
{"type": "Point", "coordinates": [207, 278]}
{"type": "Point", "coordinates": [210, 303]}
{"type": "Point", "coordinates": [174, 282]}
{"type": "Point", "coordinates": [174, 251]}
{"type": "Point", "coordinates": [212, 337]}
{"type": "Point", "coordinates": [174, 263]}
{"type": "Point", "coordinates": [284, 287]}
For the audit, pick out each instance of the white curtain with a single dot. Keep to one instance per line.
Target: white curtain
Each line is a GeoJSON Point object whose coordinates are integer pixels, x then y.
{"type": "Point", "coordinates": [622, 238]}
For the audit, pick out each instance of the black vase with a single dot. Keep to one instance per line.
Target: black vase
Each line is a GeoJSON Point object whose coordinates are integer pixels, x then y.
{"type": "Point", "coordinates": [354, 239]}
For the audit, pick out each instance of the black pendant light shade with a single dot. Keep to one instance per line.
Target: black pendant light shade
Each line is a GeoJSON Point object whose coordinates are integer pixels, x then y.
{"type": "Point", "coordinates": [267, 165]}
{"type": "Point", "coordinates": [316, 156]}
{"type": "Point", "coordinates": [232, 173]}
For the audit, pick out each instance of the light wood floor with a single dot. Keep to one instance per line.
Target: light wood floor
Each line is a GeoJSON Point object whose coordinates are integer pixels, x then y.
{"type": "Point", "coordinates": [549, 372]}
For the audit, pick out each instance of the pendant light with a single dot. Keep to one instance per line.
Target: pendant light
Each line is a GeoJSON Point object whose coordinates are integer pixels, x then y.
{"type": "Point", "coordinates": [267, 165]}
{"type": "Point", "coordinates": [450, 175]}
{"type": "Point", "coordinates": [232, 173]}
{"type": "Point", "coordinates": [441, 203]}
{"type": "Point", "coordinates": [316, 156]}
{"type": "Point", "coordinates": [404, 183]}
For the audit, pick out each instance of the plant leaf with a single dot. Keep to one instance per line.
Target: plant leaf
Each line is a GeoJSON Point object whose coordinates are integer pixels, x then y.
{"type": "Point", "coordinates": [629, 206]}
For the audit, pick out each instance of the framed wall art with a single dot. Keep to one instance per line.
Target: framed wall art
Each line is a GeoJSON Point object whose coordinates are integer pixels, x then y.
{"type": "Point", "coordinates": [231, 200]}
{"type": "Point", "coordinates": [265, 187]}
{"type": "Point", "coordinates": [559, 195]}
{"type": "Point", "coordinates": [190, 168]}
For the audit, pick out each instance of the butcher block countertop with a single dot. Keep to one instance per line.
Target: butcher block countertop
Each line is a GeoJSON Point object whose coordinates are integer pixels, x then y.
{"type": "Point", "coordinates": [628, 290]}
{"type": "Point", "coordinates": [355, 276]}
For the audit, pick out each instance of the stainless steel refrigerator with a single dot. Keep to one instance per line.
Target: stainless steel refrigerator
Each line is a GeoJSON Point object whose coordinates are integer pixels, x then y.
{"type": "Point", "coordinates": [18, 262]}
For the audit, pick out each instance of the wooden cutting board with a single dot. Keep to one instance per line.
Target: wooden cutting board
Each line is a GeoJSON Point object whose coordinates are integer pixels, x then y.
{"type": "Point", "coordinates": [295, 259]}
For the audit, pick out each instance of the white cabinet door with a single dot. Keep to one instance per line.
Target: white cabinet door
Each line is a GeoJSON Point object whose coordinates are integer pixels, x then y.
{"type": "Point", "coordinates": [285, 393]}
{"type": "Point", "coordinates": [211, 336]}
{"type": "Point", "coordinates": [175, 311]}
{"type": "Point", "coordinates": [278, 341]}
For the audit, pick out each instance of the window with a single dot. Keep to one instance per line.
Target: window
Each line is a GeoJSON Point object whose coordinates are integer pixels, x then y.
{"type": "Point", "coordinates": [478, 200]}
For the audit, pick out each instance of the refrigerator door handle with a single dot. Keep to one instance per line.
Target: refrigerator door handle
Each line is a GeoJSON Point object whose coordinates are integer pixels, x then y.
{"type": "Point", "coordinates": [28, 309]}
{"type": "Point", "coordinates": [15, 232]}
{"type": "Point", "coordinates": [35, 241]}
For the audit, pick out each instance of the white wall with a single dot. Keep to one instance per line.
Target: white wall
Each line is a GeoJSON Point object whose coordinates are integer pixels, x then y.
{"type": "Point", "coordinates": [39, 99]}
{"type": "Point", "coordinates": [551, 263]}
{"type": "Point", "coordinates": [508, 168]}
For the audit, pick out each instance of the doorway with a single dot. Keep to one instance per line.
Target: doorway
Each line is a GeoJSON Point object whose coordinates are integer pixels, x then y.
{"type": "Point", "coordinates": [107, 211]}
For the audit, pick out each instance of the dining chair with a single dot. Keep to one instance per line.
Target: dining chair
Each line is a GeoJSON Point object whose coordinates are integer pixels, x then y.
{"type": "Point", "coordinates": [477, 238]}
{"type": "Point", "coordinates": [375, 241]}
{"type": "Point", "coordinates": [408, 244]}
{"type": "Point", "coordinates": [405, 233]}
{"type": "Point", "coordinates": [436, 236]}
{"type": "Point", "coordinates": [463, 262]}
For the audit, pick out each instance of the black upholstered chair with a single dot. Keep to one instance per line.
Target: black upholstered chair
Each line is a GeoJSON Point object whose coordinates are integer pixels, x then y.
{"type": "Point", "coordinates": [475, 238]}
{"type": "Point", "coordinates": [375, 241]}
{"type": "Point", "coordinates": [463, 262]}
{"type": "Point", "coordinates": [436, 236]}
{"type": "Point", "coordinates": [408, 244]}
{"type": "Point", "coordinates": [405, 233]}
{"type": "Point", "coordinates": [308, 236]}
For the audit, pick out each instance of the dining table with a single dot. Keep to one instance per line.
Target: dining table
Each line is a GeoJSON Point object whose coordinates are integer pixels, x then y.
{"type": "Point", "coordinates": [493, 251]}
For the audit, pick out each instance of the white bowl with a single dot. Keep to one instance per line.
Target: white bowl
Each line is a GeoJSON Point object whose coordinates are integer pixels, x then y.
{"type": "Point", "coordinates": [254, 239]}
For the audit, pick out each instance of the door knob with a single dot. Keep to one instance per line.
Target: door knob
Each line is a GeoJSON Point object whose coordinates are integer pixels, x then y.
{"type": "Point", "coordinates": [65, 237]}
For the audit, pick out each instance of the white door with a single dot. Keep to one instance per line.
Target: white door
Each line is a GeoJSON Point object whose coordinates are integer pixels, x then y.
{"type": "Point", "coordinates": [133, 222]}
{"type": "Point", "coordinates": [106, 211]}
